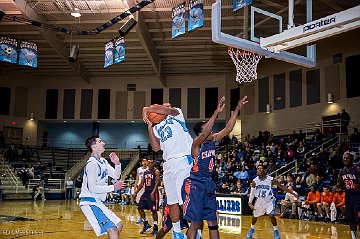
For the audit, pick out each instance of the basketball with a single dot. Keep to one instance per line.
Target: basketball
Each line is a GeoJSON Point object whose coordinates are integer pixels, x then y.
{"type": "Point", "coordinates": [155, 117]}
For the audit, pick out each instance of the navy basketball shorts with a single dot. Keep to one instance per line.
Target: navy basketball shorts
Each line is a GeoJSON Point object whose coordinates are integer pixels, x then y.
{"type": "Point", "coordinates": [146, 203]}
{"type": "Point", "coordinates": [199, 200]}
{"type": "Point", "coordinates": [352, 206]}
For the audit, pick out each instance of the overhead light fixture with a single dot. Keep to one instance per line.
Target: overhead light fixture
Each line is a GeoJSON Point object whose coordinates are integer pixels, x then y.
{"type": "Point", "coordinates": [127, 27]}
{"type": "Point", "coordinates": [330, 99]}
{"type": "Point", "coordinates": [74, 52]}
{"type": "Point", "coordinates": [268, 108]}
{"type": "Point", "coordinates": [31, 116]}
{"type": "Point", "coordinates": [76, 13]}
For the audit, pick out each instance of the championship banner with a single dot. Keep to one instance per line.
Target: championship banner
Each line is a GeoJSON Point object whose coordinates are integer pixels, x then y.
{"type": "Point", "coordinates": [178, 20]}
{"type": "Point", "coordinates": [119, 50]}
{"type": "Point", "coordinates": [28, 54]}
{"type": "Point", "coordinates": [109, 54]}
{"type": "Point", "coordinates": [237, 4]}
{"type": "Point", "coordinates": [8, 49]}
{"type": "Point", "coordinates": [196, 14]}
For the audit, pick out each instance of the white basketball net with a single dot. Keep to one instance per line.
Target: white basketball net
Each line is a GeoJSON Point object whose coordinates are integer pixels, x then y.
{"type": "Point", "coordinates": [246, 64]}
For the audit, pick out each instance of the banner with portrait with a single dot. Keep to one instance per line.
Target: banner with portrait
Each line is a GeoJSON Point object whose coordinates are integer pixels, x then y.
{"type": "Point", "coordinates": [196, 14]}
{"type": "Point", "coordinates": [178, 20]}
{"type": "Point", "coordinates": [237, 4]}
{"type": "Point", "coordinates": [8, 49]}
{"type": "Point", "coordinates": [28, 55]}
{"type": "Point", "coordinates": [109, 54]}
{"type": "Point", "coordinates": [119, 50]}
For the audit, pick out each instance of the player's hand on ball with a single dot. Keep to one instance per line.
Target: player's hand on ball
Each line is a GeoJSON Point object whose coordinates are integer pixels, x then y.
{"type": "Point", "coordinates": [144, 115]}
{"type": "Point", "coordinates": [114, 158]}
{"type": "Point", "coordinates": [119, 185]}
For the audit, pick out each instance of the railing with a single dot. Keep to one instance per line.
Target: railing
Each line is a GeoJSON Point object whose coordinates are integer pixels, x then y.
{"type": "Point", "coordinates": [74, 170]}
{"type": "Point", "coordinates": [9, 172]}
{"type": "Point", "coordinates": [292, 166]}
{"type": "Point", "coordinates": [54, 185]}
{"type": "Point", "coordinates": [325, 145]}
{"type": "Point", "coordinates": [134, 161]}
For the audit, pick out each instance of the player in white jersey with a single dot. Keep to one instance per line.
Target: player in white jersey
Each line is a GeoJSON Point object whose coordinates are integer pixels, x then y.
{"type": "Point", "coordinates": [95, 187]}
{"type": "Point", "coordinates": [139, 175]}
{"type": "Point", "coordinates": [172, 137]}
{"type": "Point", "coordinates": [261, 189]}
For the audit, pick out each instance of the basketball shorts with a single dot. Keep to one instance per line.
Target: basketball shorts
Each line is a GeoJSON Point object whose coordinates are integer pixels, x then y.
{"type": "Point", "coordinates": [263, 207]}
{"type": "Point", "coordinates": [140, 193]}
{"type": "Point", "coordinates": [352, 203]}
{"type": "Point", "coordinates": [199, 200]}
{"type": "Point", "coordinates": [176, 170]}
{"type": "Point", "coordinates": [146, 203]}
{"type": "Point", "coordinates": [99, 216]}
{"type": "Point", "coordinates": [166, 220]}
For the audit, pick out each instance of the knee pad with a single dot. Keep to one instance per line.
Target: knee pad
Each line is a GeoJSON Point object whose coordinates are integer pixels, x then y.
{"type": "Point", "coordinates": [213, 227]}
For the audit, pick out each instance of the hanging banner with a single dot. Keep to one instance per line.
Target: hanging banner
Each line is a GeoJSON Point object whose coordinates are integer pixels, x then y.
{"type": "Point", "coordinates": [119, 50]}
{"type": "Point", "coordinates": [28, 54]}
{"type": "Point", "coordinates": [237, 4]}
{"type": "Point", "coordinates": [178, 20]}
{"type": "Point", "coordinates": [8, 49]}
{"type": "Point", "coordinates": [196, 14]}
{"type": "Point", "coordinates": [109, 54]}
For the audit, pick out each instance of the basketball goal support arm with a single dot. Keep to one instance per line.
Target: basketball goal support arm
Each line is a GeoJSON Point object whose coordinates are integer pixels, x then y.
{"type": "Point", "coordinates": [236, 42]}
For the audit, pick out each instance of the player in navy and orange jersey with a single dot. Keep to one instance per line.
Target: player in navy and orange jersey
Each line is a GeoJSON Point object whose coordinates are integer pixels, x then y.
{"type": "Point", "coordinates": [349, 178]}
{"type": "Point", "coordinates": [199, 189]}
{"type": "Point", "coordinates": [150, 198]}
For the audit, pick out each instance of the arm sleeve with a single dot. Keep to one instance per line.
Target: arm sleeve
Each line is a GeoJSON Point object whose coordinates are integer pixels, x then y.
{"type": "Point", "coordinates": [252, 195]}
{"type": "Point", "coordinates": [92, 175]}
{"type": "Point", "coordinates": [114, 173]}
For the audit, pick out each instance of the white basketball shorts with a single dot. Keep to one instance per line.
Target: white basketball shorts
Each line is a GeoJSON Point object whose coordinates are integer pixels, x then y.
{"type": "Point", "coordinates": [264, 207]}
{"type": "Point", "coordinates": [99, 216]}
{"type": "Point", "coordinates": [176, 170]}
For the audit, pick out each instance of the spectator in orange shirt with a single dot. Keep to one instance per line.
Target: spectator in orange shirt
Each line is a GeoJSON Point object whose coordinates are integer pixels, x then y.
{"type": "Point", "coordinates": [326, 200]}
{"type": "Point", "coordinates": [338, 204]}
{"type": "Point", "coordinates": [311, 201]}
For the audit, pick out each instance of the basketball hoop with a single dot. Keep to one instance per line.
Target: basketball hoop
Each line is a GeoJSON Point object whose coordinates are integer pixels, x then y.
{"type": "Point", "coordinates": [246, 64]}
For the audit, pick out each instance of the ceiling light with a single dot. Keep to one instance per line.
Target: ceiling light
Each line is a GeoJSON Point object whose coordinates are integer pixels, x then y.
{"type": "Point", "coordinates": [76, 13]}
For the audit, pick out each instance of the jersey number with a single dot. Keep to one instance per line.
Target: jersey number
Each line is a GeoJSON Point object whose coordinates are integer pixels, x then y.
{"type": "Point", "coordinates": [349, 184]}
{"type": "Point", "coordinates": [165, 134]}
{"type": "Point", "coordinates": [211, 165]}
{"type": "Point", "coordinates": [148, 182]}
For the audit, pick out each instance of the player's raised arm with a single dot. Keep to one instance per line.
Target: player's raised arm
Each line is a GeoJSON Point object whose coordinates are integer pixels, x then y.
{"type": "Point", "coordinates": [154, 141]}
{"type": "Point", "coordinates": [275, 182]}
{"type": "Point", "coordinates": [207, 128]}
{"type": "Point", "coordinates": [230, 125]}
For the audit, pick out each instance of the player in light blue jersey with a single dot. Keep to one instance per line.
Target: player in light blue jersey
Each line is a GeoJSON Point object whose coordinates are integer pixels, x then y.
{"type": "Point", "coordinates": [172, 137]}
{"type": "Point", "coordinates": [261, 189]}
{"type": "Point", "coordinates": [95, 187]}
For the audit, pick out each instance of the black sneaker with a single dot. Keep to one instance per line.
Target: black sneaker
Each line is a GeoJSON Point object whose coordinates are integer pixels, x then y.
{"type": "Point", "coordinates": [146, 228]}
{"type": "Point", "coordinates": [155, 230]}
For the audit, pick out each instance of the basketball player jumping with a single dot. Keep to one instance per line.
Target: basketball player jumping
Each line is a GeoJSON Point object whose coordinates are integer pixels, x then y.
{"type": "Point", "coordinates": [150, 198]}
{"type": "Point", "coordinates": [199, 188]}
{"type": "Point", "coordinates": [95, 187]}
{"type": "Point", "coordinates": [172, 137]}
{"type": "Point", "coordinates": [349, 178]}
{"type": "Point", "coordinates": [265, 200]}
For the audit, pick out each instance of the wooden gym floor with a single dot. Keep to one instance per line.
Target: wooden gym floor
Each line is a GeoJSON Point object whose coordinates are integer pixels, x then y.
{"type": "Point", "coordinates": [64, 220]}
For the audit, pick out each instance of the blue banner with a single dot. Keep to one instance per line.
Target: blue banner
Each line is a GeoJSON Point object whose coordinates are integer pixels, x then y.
{"type": "Point", "coordinates": [196, 14]}
{"type": "Point", "coordinates": [178, 20]}
{"type": "Point", "coordinates": [119, 50]}
{"type": "Point", "coordinates": [8, 49]}
{"type": "Point", "coordinates": [237, 4]}
{"type": "Point", "coordinates": [28, 54]}
{"type": "Point", "coordinates": [109, 54]}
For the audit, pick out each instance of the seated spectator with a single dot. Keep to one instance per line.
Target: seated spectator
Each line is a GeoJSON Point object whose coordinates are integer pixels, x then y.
{"type": "Point", "coordinates": [318, 136]}
{"type": "Point", "coordinates": [313, 198]}
{"type": "Point", "coordinates": [243, 175]}
{"type": "Point", "coordinates": [271, 167]}
{"type": "Point", "coordinates": [126, 195]}
{"type": "Point", "coordinates": [325, 202]}
{"type": "Point", "coordinates": [299, 186]}
{"type": "Point", "coordinates": [224, 189]}
{"type": "Point", "coordinates": [289, 181]}
{"type": "Point", "coordinates": [338, 204]}
{"type": "Point", "coordinates": [239, 189]}
{"type": "Point", "coordinates": [319, 184]}
{"type": "Point", "coordinates": [289, 201]}
{"type": "Point", "coordinates": [309, 178]}
{"type": "Point", "coordinates": [301, 148]}
{"type": "Point", "coordinates": [355, 137]}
